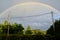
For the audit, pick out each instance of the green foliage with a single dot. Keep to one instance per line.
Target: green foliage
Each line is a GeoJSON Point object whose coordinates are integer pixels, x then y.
{"type": "Point", "coordinates": [36, 32]}
{"type": "Point", "coordinates": [5, 22]}
{"type": "Point", "coordinates": [54, 34]}
{"type": "Point", "coordinates": [13, 29]}
{"type": "Point", "coordinates": [57, 28]}
{"type": "Point", "coordinates": [39, 32]}
{"type": "Point", "coordinates": [1, 28]}
{"type": "Point", "coordinates": [28, 31]}
{"type": "Point", "coordinates": [23, 37]}
{"type": "Point", "coordinates": [16, 29]}
{"type": "Point", "coordinates": [28, 27]}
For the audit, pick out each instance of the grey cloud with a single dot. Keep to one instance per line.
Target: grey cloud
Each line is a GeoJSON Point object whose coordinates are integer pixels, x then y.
{"type": "Point", "coordinates": [35, 22]}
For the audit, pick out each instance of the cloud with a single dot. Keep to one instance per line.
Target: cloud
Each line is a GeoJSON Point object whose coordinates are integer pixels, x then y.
{"type": "Point", "coordinates": [40, 22]}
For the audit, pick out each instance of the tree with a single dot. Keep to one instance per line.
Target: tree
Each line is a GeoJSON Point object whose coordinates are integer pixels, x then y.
{"type": "Point", "coordinates": [36, 32]}
{"type": "Point", "coordinates": [13, 28]}
{"type": "Point", "coordinates": [57, 28]}
{"type": "Point", "coordinates": [55, 33]}
{"type": "Point", "coordinates": [28, 31]}
{"type": "Point", "coordinates": [1, 28]}
{"type": "Point", "coordinates": [16, 29]}
{"type": "Point", "coordinates": [5, 22]}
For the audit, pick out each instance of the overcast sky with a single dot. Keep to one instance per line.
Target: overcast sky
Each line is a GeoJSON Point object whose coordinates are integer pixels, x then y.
{"type": "Point", "coordinates": [37, 21]}
{"type": "Point", "coordinates": [4, 4]}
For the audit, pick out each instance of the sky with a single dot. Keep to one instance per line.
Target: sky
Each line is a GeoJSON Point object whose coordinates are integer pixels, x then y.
{"type": "Point", "coordinates": [35, 22]}
{"type": "Point", "coordinates": [4, 4]}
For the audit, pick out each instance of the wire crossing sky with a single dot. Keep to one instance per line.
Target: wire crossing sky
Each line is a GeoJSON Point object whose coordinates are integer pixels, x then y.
{"type": "Point", "coordinates": [29, 12]}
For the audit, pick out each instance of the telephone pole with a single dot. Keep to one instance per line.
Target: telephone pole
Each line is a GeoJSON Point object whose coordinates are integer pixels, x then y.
{"type": "Point", "coordinates": [53, 21]}
{"type": "Point", "coordinates": [8, 22]}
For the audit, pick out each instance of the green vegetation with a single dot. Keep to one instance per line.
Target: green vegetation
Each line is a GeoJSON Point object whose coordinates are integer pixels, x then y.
{"type": "Point", "coordinates": [54, 33]}
{"type": "Point", "coordinates": [28, 30]}
{"type": "Point", "coordinates": [13, 29]}
{"type": "Point", "coordinates": [17, 32]}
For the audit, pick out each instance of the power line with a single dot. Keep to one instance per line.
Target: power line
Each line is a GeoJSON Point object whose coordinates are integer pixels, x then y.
{"type": "Point", "coordinates": [29, 16]}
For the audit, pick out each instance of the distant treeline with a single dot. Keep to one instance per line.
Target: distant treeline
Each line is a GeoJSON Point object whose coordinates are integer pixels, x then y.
{"type": "Point", "coordinates": [17, 32]}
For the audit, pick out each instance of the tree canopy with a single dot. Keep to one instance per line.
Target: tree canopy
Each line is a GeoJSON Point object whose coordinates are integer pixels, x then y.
{"type": "Point", "coordinates": [28, 30]}
{"type": "Point", "coordinates": [13, 29]}
{"type": "Point", "coordinates": [57, 28]}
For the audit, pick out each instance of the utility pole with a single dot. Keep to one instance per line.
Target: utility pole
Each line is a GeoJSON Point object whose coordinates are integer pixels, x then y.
{"type": "Point", "coordinates": [53, 21]}
{"type": "Point", "coordinates": [8, 22]}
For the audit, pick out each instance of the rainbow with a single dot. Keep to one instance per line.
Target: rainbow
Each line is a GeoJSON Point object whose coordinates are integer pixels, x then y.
{"type": "Point", "coordinates": [26, 3]}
